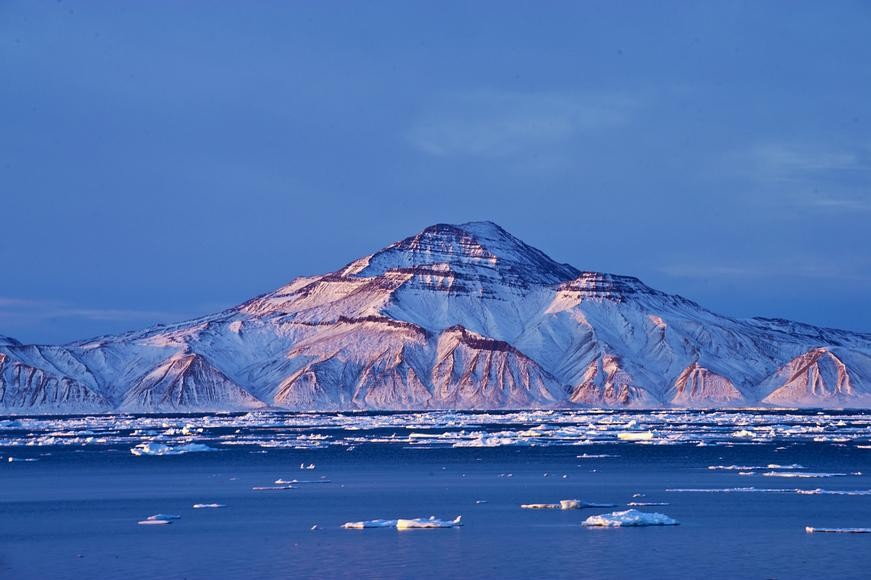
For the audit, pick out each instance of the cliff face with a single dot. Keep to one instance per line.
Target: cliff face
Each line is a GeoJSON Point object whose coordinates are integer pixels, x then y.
{"type": "Point", "coordinates": [456, 316]}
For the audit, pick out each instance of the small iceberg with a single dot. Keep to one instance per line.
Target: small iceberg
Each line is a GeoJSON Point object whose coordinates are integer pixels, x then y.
{"type": "Point", "coordinates": [164, 517]}
{"type": "Point", "coordinates": [150, 522]}
{"type": "Point", "coordinates": [405, 524]}
{"type": "Point", "coordinates": [23, 459]}
{"type": "Point", "coordinates": [635, 436]}
{"type": "Point", "coordinates": [271, 487]}
{"type": "Point", "coordinates": [200, 506]}
{"type": "Point", "coordinates": [801, 474]}
{"type": "Point", "coordinates": [628, 518]}
{"type": "Point", "coordinates": [647, 503]}
{"type": "Point", "coordinates": [812, 530]}
{"type": "Point", "coordinates": [565, 504]}
{"type": "Point", "coordinates": [152, 448]}
{"type": "Point", "coordinates": [820, 491]}
{"type": "Point", "coordinates": [369, 524]}
{"type": "Point", "coordinates": [429, 523]}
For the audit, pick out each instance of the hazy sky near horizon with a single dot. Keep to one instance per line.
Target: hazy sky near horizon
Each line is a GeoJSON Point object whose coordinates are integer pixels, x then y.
{"type": "Point", "coordinates": [163, 160]}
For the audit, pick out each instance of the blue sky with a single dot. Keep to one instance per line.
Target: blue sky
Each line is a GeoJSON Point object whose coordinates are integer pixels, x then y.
{"type": "Point", "coordinates": [161, 160]}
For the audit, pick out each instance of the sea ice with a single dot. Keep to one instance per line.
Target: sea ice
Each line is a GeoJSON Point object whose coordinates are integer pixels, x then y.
{"type": "Point", "coordinates": [812, 530]}
{"type": "Point", "coordinates": [635, 436]}
{"type": "Point", "coordinates": [198, 506]}
{"type": "Point", "coordinates": [565, 504]}
{"type": "Point", "coordinates": [629, 518]}
{"type": "Point", "coordinates": [164, 517]}
{"type": "Point", "coordinates": [150, 522]}
{"type": "Point", "coordinates": [646, 503]}
{"type": "Point", "coordinates": [802, 475]}
{"type": "Point", "coordinates": [428, 523]}
{"type": "Point", "coordinates": [152, 448]}
{"type": "Point", "coordinates": [820, 491]}
{"type": "Point", "coordinates": [405, 524]}
{"type": "Point", "coordinates": [369, 524]}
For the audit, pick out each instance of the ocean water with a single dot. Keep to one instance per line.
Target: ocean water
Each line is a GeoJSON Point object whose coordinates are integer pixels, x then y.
{"type": "Point", "coordinates": [73, 512]}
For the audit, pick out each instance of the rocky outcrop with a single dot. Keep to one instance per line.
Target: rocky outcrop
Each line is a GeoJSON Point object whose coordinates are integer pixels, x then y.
{"type": "Point", "coordinates": [817, 377]}
{"type": "Point", "coordinates": [28, 389]}
{"type": "Point", "coordinates": [606, 384]}
{"type": "Point", "coordinates": [187, 382]}
{"type": "Point", "coordinates": [476, 372]}
{"type": "Point", "coordinates": [699, 387]}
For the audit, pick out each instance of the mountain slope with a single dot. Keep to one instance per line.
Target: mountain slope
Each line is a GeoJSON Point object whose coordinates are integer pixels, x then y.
{"type": "Point", "coordinates": [456, 316]}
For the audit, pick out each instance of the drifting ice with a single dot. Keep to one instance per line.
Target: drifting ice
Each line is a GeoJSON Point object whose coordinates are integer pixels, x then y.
{"type": "Point", "coordinates": [164, 517]}
{"type": "Point", "coordinates": [629, 518]}
{"type": "Point", "coordinates": [635, 436]}
{"type": "Point", "coordinates": [431, 522]}
{"type": "Point", "coordinates": [403, 524]}
{"type": "Point", "coordinates": [199, 506]}
{"type": "Point", "coordinates": [811, 530]}
{"type": "Point", "coordinates": [565, 504]}
{"type": "Point", "coordinates": [152, 448]}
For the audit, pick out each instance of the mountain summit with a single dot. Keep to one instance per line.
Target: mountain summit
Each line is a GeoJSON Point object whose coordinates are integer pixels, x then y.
{"type": "Point", "coordinates": [455, 317]}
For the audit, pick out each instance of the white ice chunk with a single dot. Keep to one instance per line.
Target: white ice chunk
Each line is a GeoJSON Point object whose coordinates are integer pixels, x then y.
{"type": "Point", "coordinates": [540, 506]}
{"type": "Point", "coordinates": [820, 491]}
{"type": "Point", "coordinates": [802, 475]}
{"type": "Point", "coordinates": [428, 523]}
{"type": "Point", "coordinates": [812, 530]}
{"type": "Point", "coordinates": [629, 518]}
{"type": "Point", "coordinates": [404, 524]}
{"type": "Point", "coordinates": [199, 506]}
{"type": "Point", "coordinates": [369, 524]}
{"type": "Point", "coordinates": [150, 522]}
{"type": "Point", "coordinates": [647, 503]}
{"type": "Point", "coordinates": [164, 517]}
{"type": "Point", "coordinates": [152, 448]}
{"type": "Point", "coordinates": [635, 436]}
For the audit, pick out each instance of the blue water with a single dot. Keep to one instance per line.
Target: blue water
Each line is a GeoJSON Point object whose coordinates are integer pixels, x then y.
{"type": "Point", "coordinates": [73, 513]}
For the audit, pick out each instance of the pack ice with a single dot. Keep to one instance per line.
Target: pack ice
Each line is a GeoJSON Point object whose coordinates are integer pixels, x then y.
{"type": "Point", "coordinates": [629, 518]}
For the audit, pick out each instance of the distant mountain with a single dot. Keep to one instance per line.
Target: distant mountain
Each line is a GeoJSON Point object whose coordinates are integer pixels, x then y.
{"type": "Point", "coordinates": [455, 317]}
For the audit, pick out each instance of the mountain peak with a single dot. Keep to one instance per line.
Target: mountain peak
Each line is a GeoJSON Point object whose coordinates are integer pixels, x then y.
{"type": "Point", "coordinates": [476, 250]}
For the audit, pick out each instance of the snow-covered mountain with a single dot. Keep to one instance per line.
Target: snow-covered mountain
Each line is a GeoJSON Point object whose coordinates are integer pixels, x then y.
{"type": "Point", "coordinates": [455, 317]}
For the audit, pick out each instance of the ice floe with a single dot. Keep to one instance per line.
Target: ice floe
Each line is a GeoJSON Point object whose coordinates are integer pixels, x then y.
{"type": "Point", "coordinates": [264, 430]}
{"type": "Point", "coordinates": [200, 506]}
{"type": "Point", "coordinates": [150, 522]}
{"type": "Point", "coordinates": [629, 518]}
{"type": "Point", "coordinates": [635, 436]}
{"type": "Point", "coordinates": [405, 524]}
{"type": "Point", "coordinates": [565, 504]}
{"type": "Point", "coordinates": [152, 448]}
{"type": "Point", "coordinates": [812, 530]}
{"type": "Point", "coordinates": [431, 522]}
{"type": "Point", "coordinates": [164, 517]}
{"type": "Point", "coordinates": [819, 491]}
{"type": "Point", "coordinates": [801, 474]}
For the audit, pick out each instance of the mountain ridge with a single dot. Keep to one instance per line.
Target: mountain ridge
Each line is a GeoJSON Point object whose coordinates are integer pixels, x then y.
{"type": "Point", "coordinates": [455, 316]}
